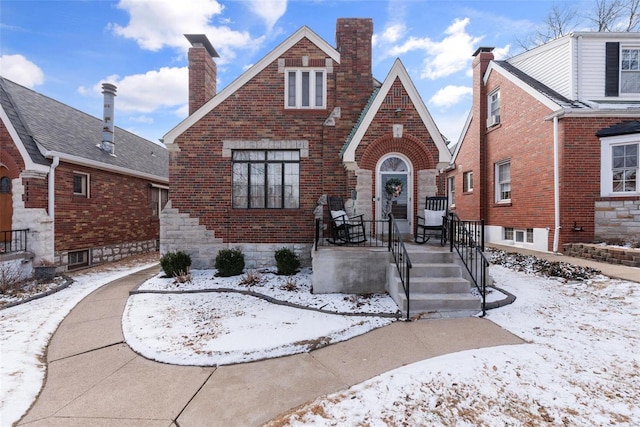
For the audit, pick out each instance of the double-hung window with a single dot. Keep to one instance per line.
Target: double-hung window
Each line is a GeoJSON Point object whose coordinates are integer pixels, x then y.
{"type": "Point", "coordinates": [266, 179]}
{"type": "Point", "coordinates": [493, 110]}
{"type": "Point", "coordinates": [624, 161]}
{"type": "Point", "coordinates": [630, 70]}
{"type": "Point", "coordinates": [503, 182]}
{"type": "Point", "coordinates": [305, 88]}
{"type": "Point", "coordinates": [159, 198]}
{"type": "Point", "coordinates": [451, 190]}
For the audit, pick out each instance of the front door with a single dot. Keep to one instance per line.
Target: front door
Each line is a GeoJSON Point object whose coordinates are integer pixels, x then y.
{"type": "Point", "coordinates": [6, 206]}
{"type": "Point", "coordinates": [394, 192]}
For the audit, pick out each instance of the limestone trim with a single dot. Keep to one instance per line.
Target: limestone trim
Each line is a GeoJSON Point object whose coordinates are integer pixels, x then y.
{"type": "Point", "coordinates": [265, 144]}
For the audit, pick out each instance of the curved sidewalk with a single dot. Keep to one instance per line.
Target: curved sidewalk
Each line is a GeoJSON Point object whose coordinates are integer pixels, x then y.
{"type": "Point", "coordinates": [94, 378]}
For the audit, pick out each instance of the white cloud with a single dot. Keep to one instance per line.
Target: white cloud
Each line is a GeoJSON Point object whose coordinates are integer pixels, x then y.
{"type": "Point", "coordinates": [146, 93]}
{"type": "Point", "coordinates": [155, 24]}
{"type": "Point", "coordinates": [20, 70]}
{"type": "Point", "coordinates": [450, 95]}
{"type": "Point", "coordinates": [269, 10]}
{"type": "Point", "coordinates": [444, 57]}
{"type": "Point", "coordinates": [393, 33]}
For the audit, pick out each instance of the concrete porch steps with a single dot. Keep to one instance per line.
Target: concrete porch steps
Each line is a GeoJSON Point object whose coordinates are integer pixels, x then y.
{"type": "Point", "coordinates": [437, 286]}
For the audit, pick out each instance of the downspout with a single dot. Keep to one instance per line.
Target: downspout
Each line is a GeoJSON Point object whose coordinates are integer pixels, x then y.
{"type": "Point", "coordinates": [52, 187]}
{"type": "Point", "coordinates": [556, 186]}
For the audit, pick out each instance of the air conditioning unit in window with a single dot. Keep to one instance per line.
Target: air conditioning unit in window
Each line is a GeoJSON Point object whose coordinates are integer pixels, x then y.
{"type": "Point", "coordinates": [493, 120]}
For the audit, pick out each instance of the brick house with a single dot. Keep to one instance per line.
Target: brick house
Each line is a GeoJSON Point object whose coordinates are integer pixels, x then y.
{"type": "Point", "coordinates": [549, 152]}
{"type": "Point", "coordinates": [86, 191]}
{"type": "Point", "coordinates": [252, 164]}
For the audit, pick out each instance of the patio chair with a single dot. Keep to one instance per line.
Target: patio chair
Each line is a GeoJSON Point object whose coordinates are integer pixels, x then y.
{"type": "Point", "coordinates": [433, 223]}
{"type": "Point", "coordinates": [344, 229]}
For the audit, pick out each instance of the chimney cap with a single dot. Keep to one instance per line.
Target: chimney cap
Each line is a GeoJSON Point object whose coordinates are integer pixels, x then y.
{"type": "Point", "coordinates": [482, 49]}
{"type": "Point", "coordinates": [109, 88]}
{"type": "Point", "coordinates": [201, 39]}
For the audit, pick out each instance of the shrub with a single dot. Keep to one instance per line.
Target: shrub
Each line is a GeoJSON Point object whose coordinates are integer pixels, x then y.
{"type": "Point", "coordinates": [251, 278]}
{"type": "Point", "coordinates": [286, 261]}
{"type": "Point", "coordinates": [175, 263]}
{"type": "Point", "coordinates": [229, 262]}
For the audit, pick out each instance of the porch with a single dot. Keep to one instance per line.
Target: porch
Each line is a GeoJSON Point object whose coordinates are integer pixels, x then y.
{"type": "Point", "coordinates": [426, 280]}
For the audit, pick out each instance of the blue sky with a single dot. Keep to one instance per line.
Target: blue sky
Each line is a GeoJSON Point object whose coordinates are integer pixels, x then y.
{"type": "Point", "coordinates": [66, 49]}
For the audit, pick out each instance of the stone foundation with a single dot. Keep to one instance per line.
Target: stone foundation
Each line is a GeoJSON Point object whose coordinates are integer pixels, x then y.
{"type": "Point", "coordinates": [612, 255]}
{"type": "Point", "coordinates": [101, 255]}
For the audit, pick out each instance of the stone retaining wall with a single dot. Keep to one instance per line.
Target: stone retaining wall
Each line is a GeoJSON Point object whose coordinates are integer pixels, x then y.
{"type": "Point", "coordinates": [612, 255]}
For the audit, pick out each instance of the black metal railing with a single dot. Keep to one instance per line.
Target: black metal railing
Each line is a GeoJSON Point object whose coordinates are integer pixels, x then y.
{"type": "Point", "coordinates": [467, 238]}
{"type": "Point", "coordinates": [378, 233]}
{"type": "Point", "coordinates": [13, 241]}
{"type": "Point", "coordinates": [401, 259]}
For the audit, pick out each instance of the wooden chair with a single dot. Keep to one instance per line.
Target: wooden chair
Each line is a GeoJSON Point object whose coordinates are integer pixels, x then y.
{"type": "Point", "coordinates": [433, 223]}
{"type": "Point", "coordinates": [344, 229]}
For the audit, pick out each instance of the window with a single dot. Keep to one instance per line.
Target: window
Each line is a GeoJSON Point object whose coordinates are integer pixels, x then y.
{"type": "Point", "coordinates": [451, 190]}
{"type": "Point", "coordinates": [264, 179]}
{"type": "Point", "coordinates": [78, 259]}
{"type": "Point", "coordinates": [630, 70]}
{"type": "Point", "coordinates": [5, 185]}
{"type": "Point", "coordinates": [507, 233]}
{"type": "Point", "coordinates": [624, 160]}
{"type": "Point", "coordinates": [467, 182]}
{"type": "Point", "coordinates": [80, 184]}
{"type": "Point", "coordinates": [529, 235]}
{"type": "Point", "coordinates": [520, 235]}
{"type": "Point", "coordinates": [493, 110]}
{"type": "Point", "coordinates": [159, 198]}
{"type": "Point", "coordinates": [503, 182]}
{"type": "Point", "coordinates": [305, 88]}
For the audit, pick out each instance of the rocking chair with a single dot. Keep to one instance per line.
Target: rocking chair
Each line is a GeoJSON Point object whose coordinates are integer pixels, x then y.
{"type": "Point", "coordinates": [344, 229]}
{"type": "Point", "coordinates": [433, 224]}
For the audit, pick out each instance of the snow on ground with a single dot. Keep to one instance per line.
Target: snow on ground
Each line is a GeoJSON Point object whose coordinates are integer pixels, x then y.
{"type": "Point", "coordinates": [580, 367]}
{"type": "Point", "coordinates": [25, 331]}
{"type": "Point", "coordinates": [200, 326]}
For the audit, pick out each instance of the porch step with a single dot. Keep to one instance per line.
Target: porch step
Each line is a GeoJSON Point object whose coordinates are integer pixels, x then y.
{"type": "Point", "coordinates": [437, 286]}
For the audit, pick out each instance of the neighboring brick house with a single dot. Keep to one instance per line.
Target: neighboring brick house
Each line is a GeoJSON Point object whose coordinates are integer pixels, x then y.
{"type": "Point", "coordinates": [88, 192]}
{"type": "Point", "coordinates": [549, 152]}
{"type": "Point", "coordinates": [250, 166]}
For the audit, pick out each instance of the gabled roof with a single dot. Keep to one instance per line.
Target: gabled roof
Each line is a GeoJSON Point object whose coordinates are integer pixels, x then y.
{"type": "Point", "coordinates": [542, 93]}
{"type": "Point", "coordinates": [45, 128]}
{"type": "Point", "coordinates": [303, 32]}
{"type": "Point", "coordinates": [400, 72]}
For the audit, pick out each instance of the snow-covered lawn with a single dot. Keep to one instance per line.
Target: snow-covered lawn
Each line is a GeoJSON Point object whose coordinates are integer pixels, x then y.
{"type": "Point", "coordinates": [581, 366]}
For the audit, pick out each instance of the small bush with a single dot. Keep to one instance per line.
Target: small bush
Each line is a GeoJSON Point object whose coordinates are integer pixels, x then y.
{"type": "Point", "coordinates": [175, 263]}
{"type": "Point", "coordinates": [286, 261]}
{"type": "Point", "coordinates": [251, 278]}
{"type": "Point", "coordinates": [229, 262]}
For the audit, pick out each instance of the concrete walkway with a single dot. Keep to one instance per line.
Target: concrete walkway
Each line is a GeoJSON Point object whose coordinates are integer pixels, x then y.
{"type": "Point", "coordinates": [94, 378]}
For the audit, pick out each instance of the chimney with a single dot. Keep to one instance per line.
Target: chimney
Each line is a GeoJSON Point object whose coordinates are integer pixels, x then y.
{"type": "Point", "coordinates": [353, 41]}
{"type": "Point", "coordinates": [481, 59]}
{"type": "Point", "coordinates": [109, 92]}
{"type": "Point", "coordinates": [202, 71]}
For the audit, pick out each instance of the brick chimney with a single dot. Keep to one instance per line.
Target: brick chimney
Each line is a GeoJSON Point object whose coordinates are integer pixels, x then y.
{"type": "Point", "coordinates": [202, 71]}
{"type": "Point", "coordinates": [353, 41]}
{"type": "Point", "coordinates": [481, 59]}
{"type": "Point", "coordinates": [108, 142]}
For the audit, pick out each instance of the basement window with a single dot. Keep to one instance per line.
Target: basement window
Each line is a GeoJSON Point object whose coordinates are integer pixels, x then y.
{"type": "Point", "coordinates": [78, 259]}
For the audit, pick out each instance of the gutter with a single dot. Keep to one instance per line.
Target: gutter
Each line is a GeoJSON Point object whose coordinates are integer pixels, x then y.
{"type": "Point", "coordinates": [52, 186]}
{"type": "Point", "coordinates": [556, 186]}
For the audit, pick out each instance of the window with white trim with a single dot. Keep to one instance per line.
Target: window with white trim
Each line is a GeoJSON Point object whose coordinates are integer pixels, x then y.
{"type": "Point", "coordinates": [81, 184]}
{"type": "Point", "coordinates": [503, 182]}
{"type": "Point", "coordinates": [159, 198]}
{"type": "Point", "coordinates": [78, 259]}
{"type": "Point", "coordinates": [467, 182]}
{"type": "Point", "coordinates": [266, 179]}
{"type": "Point", "coordinates": [630, 70]}
{"type": "Point", "coordinates": [493, 108]}
{"type": "Point", "coordinates": [620, 165]}
{"type": "Point", "coordinates": [305, 88]}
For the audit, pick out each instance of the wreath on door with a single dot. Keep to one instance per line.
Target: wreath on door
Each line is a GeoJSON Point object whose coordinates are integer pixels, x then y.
{"type": "Point", "coordinates": [393, 187]}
